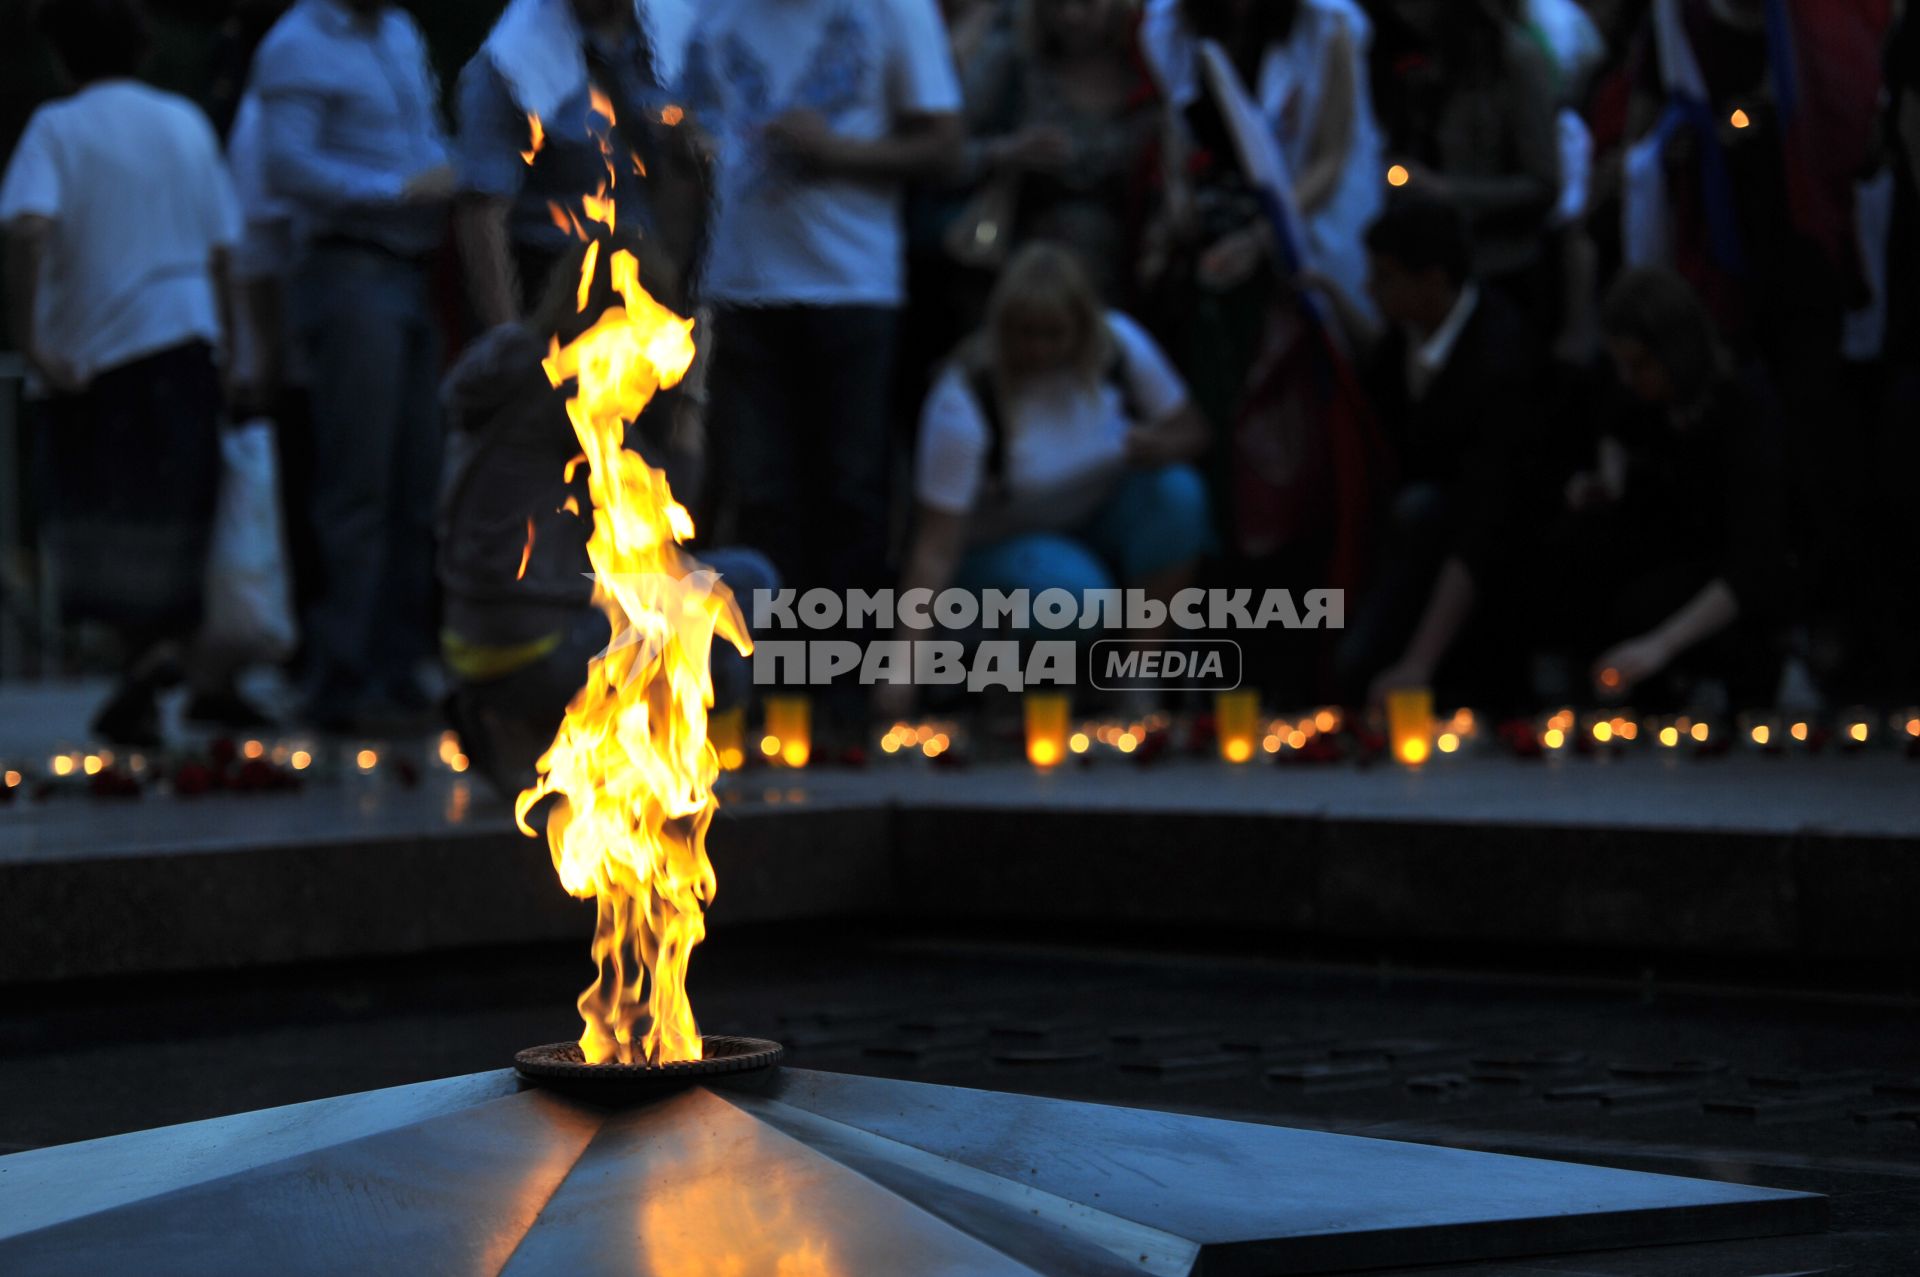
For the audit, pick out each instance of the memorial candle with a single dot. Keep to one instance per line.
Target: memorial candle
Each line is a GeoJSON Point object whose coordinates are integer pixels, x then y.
{"type": "Point", "coordinates": [727, 732]}
{"type": "Point", "coordinates": [1236, 717]}
{"type": "Point", "coordinates": [1410, 724]}
{"type": "Point", "coordinates": [787, 738]}
{"type": "Point", "coordinates": [1046, 720]}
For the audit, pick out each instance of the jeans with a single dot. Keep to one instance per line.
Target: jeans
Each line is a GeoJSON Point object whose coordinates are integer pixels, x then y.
{"type": "Point", "coordinates": [130, 470]}
{"type": "Point", "coordinates": [800, 403]}
{"type": "Point", "coordinates": [1152, 521]}
{"type": "Point", "coordinates": [365, 319]}
{"type": "Point", "coordinates": [801, 396]}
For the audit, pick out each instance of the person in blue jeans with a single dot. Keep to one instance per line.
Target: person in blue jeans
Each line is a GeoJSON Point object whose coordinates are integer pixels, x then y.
{"type": "Point", "coordinates": [1055, 450]}
{"type": "Point", "coordinates": [350, 138]}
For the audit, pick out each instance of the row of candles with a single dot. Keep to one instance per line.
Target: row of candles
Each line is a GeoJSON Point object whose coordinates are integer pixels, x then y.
{"type": "Point", "coordinates": [1414, 733]}
{"type": "Point", "coordinates": [290, 759]}
{"type": "Point", "coordinates": [1243, 732]}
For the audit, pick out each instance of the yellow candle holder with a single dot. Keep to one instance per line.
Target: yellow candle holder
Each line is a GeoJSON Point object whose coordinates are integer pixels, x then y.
{"type": "Point", "coordinates": [1763, 732]}
{"type": "Point", "coordinates": [1625, 726]}
{"type": "Point", "coordinates": [1557, 731]}
{"type": "Point", "coordinates": [787, 736]}
{"type": "Point", "coordinates": [727, 733]}
{"type": "Point", "coordinates": [1904, 725]}
{"type": "Point", "coordinates": [1236, 720]}
{"type": "Point", "coordinates": [929, 739]}
{"type": "Point", "coordinates": [1410, 724]}
{"type": "Point", "coordinates": [1046, 715]}
{"type": "Point", "coordinates": [1855, 728]}
{"type": "Point", "coordinates": [1610, 730]}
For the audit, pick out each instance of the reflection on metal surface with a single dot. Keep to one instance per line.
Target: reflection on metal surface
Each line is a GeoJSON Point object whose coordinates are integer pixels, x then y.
{"type": "Point", "coordinates": [818, 1175]}
{"type": "Point", "coordinates": [725, 1226]}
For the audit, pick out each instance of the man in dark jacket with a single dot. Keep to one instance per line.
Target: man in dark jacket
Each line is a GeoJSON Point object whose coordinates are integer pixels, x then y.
{"type": "Point", "coordinates": [1456, 380]}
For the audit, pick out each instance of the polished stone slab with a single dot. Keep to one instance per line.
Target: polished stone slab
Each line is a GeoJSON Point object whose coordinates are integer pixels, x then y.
{"type": "Point", "coordinates": [813, 1175]}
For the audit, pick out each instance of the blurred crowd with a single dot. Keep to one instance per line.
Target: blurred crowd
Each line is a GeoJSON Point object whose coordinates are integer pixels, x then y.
{"type": "Point", "coordinates": [1576, 340]}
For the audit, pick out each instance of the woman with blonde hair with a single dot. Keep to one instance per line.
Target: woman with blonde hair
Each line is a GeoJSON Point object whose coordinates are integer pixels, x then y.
{"type": "Point", "coordinates": [1054, 449]}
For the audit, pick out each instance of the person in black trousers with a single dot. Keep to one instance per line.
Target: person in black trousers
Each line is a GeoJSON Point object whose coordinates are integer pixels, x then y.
{"type": "Point", "coordinates": [1456, 381]}
{"type": "Point", "coordinates": [1672, 554]}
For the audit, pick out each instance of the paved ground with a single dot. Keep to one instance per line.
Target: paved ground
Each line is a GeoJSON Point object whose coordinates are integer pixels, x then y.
{"type": "Point", "coordinates": [1795, 1091]}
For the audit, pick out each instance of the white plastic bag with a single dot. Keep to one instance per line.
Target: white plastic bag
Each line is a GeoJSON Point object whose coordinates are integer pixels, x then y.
{"type": "Point", "coordinates": [249, 608]}
{"type": "Point", "coordinates": [1643, 203]}
{"type": "Point", "coordinates": [1863, 334]}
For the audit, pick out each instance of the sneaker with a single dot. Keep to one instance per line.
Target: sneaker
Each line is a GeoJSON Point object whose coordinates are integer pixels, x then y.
{"type": "Point", "coordinates": [226, 709]}
{"type": "Point", "coordinates": [131, 719]}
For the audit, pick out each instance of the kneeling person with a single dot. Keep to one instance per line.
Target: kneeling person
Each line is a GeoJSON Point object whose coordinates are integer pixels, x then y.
{"type": "Point", "coordinates": [520, 625]}
{"type": "Point", "coordinates": [1054, 449]}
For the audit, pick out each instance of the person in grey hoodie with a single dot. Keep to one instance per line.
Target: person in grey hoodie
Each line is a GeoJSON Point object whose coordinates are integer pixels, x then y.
{"type": "Point", "coordinates": [519, 625]}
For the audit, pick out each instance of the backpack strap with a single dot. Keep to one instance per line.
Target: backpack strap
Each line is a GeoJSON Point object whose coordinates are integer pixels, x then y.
{"type": "Point", "coordinates": [986, 398]}
{"type": "Point", "coordinates": [1115, 375]}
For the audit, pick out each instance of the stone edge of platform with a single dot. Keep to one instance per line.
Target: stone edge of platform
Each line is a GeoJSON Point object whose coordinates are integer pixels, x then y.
{"type": "Point", "coordinates": [1782, 895]}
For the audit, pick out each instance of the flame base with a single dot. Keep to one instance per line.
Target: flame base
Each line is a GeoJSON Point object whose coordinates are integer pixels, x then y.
{"type": "Point", "coordinates": [561, 1066]}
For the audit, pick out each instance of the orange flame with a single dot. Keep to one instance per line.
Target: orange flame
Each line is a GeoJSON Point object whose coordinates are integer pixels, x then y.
{"type": "Point", "coordinates": [599, 207]}
{"type": "Point", "coordinates": [526, 552]}
{"type": "Point", "coordinates": [539, 135]}
{"type": "Point", "coordinates": [565, 220]}
{"type": "Point", "coordinates": [631, 763]}
{"type": "Point", "coordinates": [585, 291]}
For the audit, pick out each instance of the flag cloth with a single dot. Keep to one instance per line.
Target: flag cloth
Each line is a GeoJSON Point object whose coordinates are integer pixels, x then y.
{"type": "Point", "coordinates": [1307, 451]}
{"type": "Point", "coordinates": [1824, 58]}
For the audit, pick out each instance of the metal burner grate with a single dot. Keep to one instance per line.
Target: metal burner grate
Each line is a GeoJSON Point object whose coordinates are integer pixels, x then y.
{"type": "Point", "coordinates": [560, 1065]}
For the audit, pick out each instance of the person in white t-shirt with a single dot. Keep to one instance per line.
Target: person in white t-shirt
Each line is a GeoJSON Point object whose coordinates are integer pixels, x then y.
{"type": "Point", "coordinates": [820, 110]}
{"type": "Point", "coordinates": [119, 218]}
{"type": "Point", "coordinates": [1054, 451]}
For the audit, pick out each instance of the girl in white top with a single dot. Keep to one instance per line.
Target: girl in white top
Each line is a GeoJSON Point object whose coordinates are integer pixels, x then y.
{"type": "Point", "coordinates": [1053, 451]}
